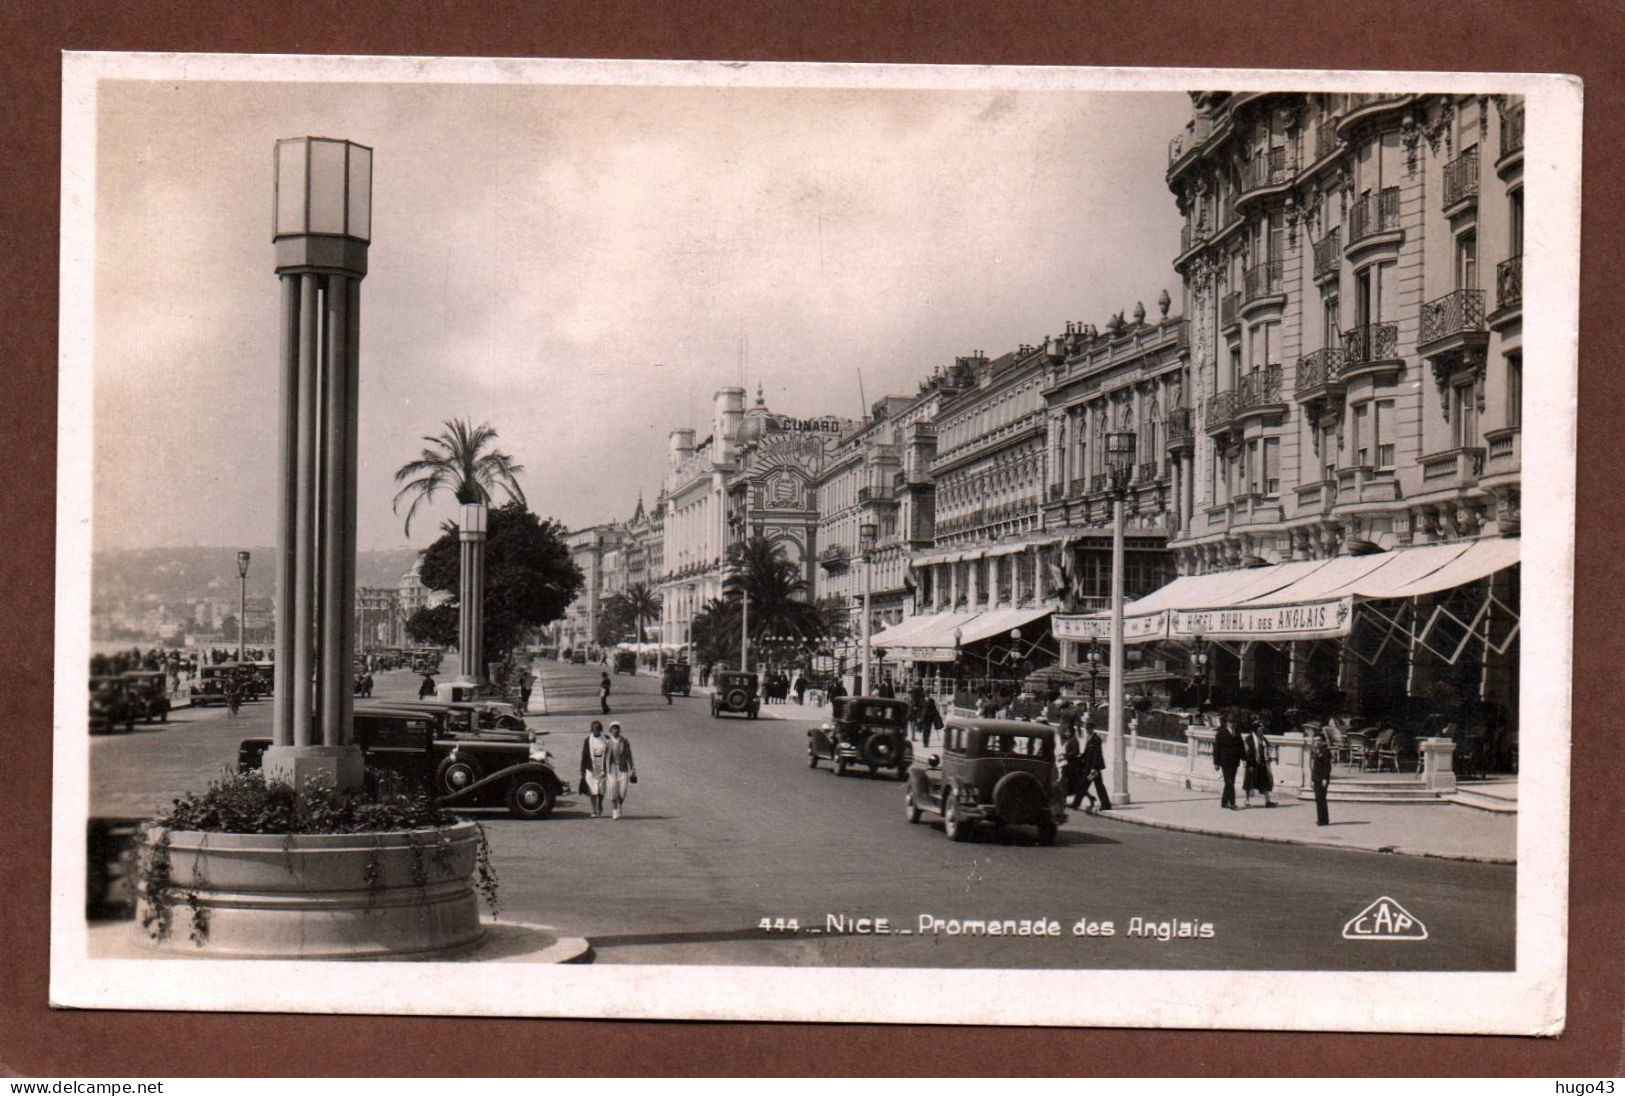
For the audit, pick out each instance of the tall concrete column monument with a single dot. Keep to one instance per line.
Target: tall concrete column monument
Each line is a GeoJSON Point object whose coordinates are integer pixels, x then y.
{"type": "Point", "coordinates": [322, 224]}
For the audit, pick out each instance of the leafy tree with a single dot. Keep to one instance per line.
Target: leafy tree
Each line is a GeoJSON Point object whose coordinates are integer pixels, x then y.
{"type": "Point", "coordinates": [457, 461]}
{"type": "Point", "coordinates": [433, 625]}
{"type": "Point", "coordinates": [615, 620]}
{"type": "Point", "coordinates": [529, 578]}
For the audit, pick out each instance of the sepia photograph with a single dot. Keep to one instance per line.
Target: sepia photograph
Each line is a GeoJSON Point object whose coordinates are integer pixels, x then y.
{"type": "Point", "coordinates": [815, 542]}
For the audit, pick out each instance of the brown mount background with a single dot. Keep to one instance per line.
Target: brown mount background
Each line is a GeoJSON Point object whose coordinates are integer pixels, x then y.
{"type": "Point", "coordinates": [1548, 36]}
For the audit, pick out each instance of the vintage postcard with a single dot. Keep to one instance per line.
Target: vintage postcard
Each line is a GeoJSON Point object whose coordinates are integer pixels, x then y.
{"type": "Point", "coordinates": [815, 542]}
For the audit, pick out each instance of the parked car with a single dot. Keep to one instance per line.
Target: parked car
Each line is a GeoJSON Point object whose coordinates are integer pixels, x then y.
{"type": "Point", "coordinates": [460, 768]}
{"type": "Point", "coordinates": [149, 694]}
{"type": "Point", "coordinates": [864, 730]}
{"type": "Point", "coordinates": [467, 715]}
{"type": "Point", "coordinates": [626, 662]}
{"type": "Point", "coordinates": [1000, 771]}
{"type": "Point", "coordinates": [676, 678]}
{"type": "Point", "coordinates": [579, 658]}
{"type": "Point", "coordinates": [735, 692]}
{"type": "Point", "coordinates": [110, 705]}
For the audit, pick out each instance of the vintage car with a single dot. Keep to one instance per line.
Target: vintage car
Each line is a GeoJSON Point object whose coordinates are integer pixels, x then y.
{"type": "Point", "coordinates": [460, 768]}
{"type": "Point", "coordinates": [149, 694]}
{"type": "Point", "coordinates": [579, 658]}
{"type": "Point", "coordinates": [111, 707]}
{"type": "Point", "coordinates": [213, 682]}
{"type": "Point", "coordinates": [863, 730]}
{"type": "Point", "coordinates": [676, 678]}
{"type": "Point", "coordinates": [735, 692]}
{"type": "Point", "coordinates": [1000, 771]}
{"type": "Point", "coordinates": [626, 662]}
{"type": "Point", "coordinates": [464, 715]}
{"type": "Point", "coordinates": [264, 676]}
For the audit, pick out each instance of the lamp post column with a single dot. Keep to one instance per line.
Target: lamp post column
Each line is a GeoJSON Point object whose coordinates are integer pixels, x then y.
{"type": "Point", "coordinates": [242, 603]}
{"type": "Point", "coordinates": [867, 533]}
{"type": "Point", "coordinates": [1120, 456]}
{"type": "Point", "coordinates": [471, 592]}
{"type": "Point", "coordinates": [322, 224]}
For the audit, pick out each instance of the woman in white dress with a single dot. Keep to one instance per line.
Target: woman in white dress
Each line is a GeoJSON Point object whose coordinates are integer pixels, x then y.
{"type": "Point", "coordinates": [595, 767]}
{"type": "Point", "coordinates": [621, 771]}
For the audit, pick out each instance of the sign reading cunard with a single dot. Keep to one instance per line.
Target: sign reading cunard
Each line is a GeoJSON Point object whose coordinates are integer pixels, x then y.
{"type": "Point", "coordinates": [1307, 620]}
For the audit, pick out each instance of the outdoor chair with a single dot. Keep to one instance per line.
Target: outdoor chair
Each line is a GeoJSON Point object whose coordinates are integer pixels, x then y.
{"type": "Point", "coordinates": [1359, 748]}
{"type": "Point", "coordinates": [1385, 751]}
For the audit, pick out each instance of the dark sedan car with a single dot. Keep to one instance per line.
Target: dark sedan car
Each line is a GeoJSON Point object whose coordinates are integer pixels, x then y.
{"type": "Point", "coordinates": [998, 771]}
{"type": "Point", "coordinates": [149, 694]}
{"type": "Point", "coordinates": [863, 730]}
{"type": "Point", "coordinates": [735, 692]}
{"type": "Point", "coordinates": [110, 706]}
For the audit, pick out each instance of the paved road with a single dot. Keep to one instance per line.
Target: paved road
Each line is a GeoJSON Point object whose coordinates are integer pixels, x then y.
{"type": "Point", "coordinates": [729, 826]}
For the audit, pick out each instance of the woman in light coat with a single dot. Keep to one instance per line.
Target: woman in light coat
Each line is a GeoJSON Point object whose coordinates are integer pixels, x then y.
{"type": "Point", "coordinates": [619, 769]}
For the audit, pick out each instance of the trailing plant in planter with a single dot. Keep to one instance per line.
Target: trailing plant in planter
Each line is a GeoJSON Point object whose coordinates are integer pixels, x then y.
{"type": "Point", "coordinates": [242, 805]}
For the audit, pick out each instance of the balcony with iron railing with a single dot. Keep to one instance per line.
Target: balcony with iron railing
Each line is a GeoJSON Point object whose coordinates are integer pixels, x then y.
{"type": "Point", "coordinates": [1229, 305]}
{"type": "Point", "coordinates": [1326, 141]}
{"type": "Point", "coordinates": [1078, 488]}
{"type": "Point", "coordinates": [1100, 483]}
{"type": "Point", "coordinates": [1263, 280]}
{"type": "Point", "coordinates": [1218, 411]}
{"type": "Point", "coordinates": [835, 558]}
{"type": "Point", "coordinates": [1461, 181]}
{"type": "Point", "coordinates": [1179, 427]}
{"type": "Point", "coordinates": [1273, 169]}
{"type": "Point", "coordinates": [1148, 471]}
{"type": "Point", "coordinates": [1320, 372]}
{"type": "Point", "coordinates": [1451, 321]}
{"type": "Point", "coordinates": [1259, 392]}
{"type": "Point", "coordinates": [1372, 342]}
{"type": "Point", "coordinates": [875, 494]}
{"type": "Point", "coordinates": [1511, 136]}
{"type": "Point", "coordinates": [1509, 283]}
{"type": "Point", "coordinates": [1361, 105]}
{"type": "Point", "coordinates": [1374, 214]}
{"type": "Point", "coordinates": [1328, 254]}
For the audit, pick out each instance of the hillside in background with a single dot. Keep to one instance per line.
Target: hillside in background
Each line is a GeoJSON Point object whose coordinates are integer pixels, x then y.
{"type": "Point", "coordinates": [169, 575]}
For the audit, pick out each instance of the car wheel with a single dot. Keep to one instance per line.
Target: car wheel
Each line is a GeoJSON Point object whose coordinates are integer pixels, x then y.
{"type": "Point", "coordinates": [840, 766]}
{"type": "Point", "coordinates": [911, 810]}
{"type": "Point", "coordinates": [456, 773]}
{"type": "Point", "coordinates": [1046, 833]}
{"type": "Point", "coordinates": [736, 698]}
{"type": "Point", "coordinates": [812, 758]}
{"type": "Point", "coordinates": [955, 827]}
{"type": "Point", "coordinates": [530, 798]}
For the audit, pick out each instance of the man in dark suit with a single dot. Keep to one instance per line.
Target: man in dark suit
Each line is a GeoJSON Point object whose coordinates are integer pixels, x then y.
{"type": "Point", "coordinates": [1094, 767]}
{"type": "Point", "coordinates": [1227, 754]}
{"type": "Point", "coordinates": [1320, 775]}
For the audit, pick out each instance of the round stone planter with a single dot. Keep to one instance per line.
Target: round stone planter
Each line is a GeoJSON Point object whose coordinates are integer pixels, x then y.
{"type": "Point", "coordinates": [315, 896]}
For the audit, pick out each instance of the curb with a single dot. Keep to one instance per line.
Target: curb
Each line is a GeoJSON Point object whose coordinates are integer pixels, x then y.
{"type": "Point", "coordinates": [1159, 824]}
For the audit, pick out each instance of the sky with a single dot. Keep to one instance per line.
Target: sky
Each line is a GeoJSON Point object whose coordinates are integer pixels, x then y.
{"type": "Point", "coordinates": [575, 265]}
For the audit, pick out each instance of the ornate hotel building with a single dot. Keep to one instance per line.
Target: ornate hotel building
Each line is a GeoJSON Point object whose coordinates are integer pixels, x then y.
{"type": "Point", "coordinates": [880, 474]}
{"type": "Point", "coordinates": [752, 476]}
{"type": "Point", "coordinates": [1352, 270]}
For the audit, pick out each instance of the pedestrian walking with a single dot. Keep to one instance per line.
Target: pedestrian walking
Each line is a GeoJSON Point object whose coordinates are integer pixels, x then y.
{"type": "Point", "coordinates": [930, 720]}
{"type": "Point", "coordinates": [1227, 754]}
{"type": "Point", "coordinates": [526, 681]}
{"type": "Point", "coordinates": [1094, 771]}
{"type": "Point", "coordinates": [801, 688]}
{"type": "Point", "coordinates": [1073, 784]}
{"type": "Point", "coordinates": [595, 767]}
{"type": "Point", "coordinates": [619, 770]}
{"type": "Point", "coordinates": [603, 692]}
{"type": "Point", "coordinates": [426, 687]}
{"type": "Point", "coordinates": [1320, 775]}
{"type": "Point", "coordinates": [1256, 755]}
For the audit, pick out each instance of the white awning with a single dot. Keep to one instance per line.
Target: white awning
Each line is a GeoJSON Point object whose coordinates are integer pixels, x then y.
{"type": "Point", "coordinates": [1306, 599]}
{"type": "Point", "coordinates": [999, 621]}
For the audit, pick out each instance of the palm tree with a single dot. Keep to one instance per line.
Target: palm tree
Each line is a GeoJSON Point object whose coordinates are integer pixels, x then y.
{"type": "Point", "coordinates": [458, 461]}
{"type": "Point", "coordinates": [777, 589]}
{"type": "Point", "coordinates": [643, 603]}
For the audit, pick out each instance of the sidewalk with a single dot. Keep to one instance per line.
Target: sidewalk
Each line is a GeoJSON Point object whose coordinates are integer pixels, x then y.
{"type": "Point", "coordinates": [1440, 830]}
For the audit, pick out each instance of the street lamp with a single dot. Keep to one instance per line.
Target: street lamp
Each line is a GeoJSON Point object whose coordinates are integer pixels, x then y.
{"type": "Point", "coordinates": [242, 601]}
{"type": "Point", "coordinates": [1015, 652]}
{"type": "Point", "coordinates": [1198, 666]}
{"type": "Point", "coordinates": [1120, 461]}
{"type": "Point", "coordinates": [321, 228]}
{"type": "Point", "coordinates": [1092, 655]}
{"type": "Point", "coordinates": [867, 532]}
{"type": "Point", "coordinates": [471, 589]}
